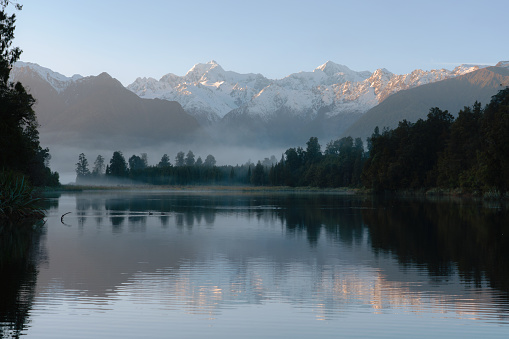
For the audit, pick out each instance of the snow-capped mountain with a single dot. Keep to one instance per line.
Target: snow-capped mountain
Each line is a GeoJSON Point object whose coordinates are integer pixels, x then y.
{"type": "Point", "coordinates": [206, 91]}
{"type": "Point", "coordinates": [210, 93]}
{"type": "Point", "coordinates": [323, 102]}
{"type": "Point", "coordinates": [58, 81]}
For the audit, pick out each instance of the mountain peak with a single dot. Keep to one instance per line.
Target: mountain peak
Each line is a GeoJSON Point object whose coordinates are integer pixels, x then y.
{"type": "Point", "coordinates": [503, 64]}
{"type": "Point", "coordinates": [199, 70]}
{"type": "Point", "coordinates": [331, 68]}
{"type": "Point", "coordinates": [104, 75]}
{"type": "Point", "coordinates": [58, 81]}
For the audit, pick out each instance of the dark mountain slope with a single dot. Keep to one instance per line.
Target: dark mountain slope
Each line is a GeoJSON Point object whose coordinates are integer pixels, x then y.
{"type": "Point", "coordinates": [413, 104]}
{"type": "Point", "coordinates": [100, 110]}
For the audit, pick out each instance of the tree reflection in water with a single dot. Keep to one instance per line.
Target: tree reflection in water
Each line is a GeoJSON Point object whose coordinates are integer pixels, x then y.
{"type": "Point", "coordinates": [442, 237]}
{"type": "Point", "coordinates": [20, 254]}
{"type": "Point", "coordinates": [469, 236]}
{"type": "Point", "coordinates": [441, 234]}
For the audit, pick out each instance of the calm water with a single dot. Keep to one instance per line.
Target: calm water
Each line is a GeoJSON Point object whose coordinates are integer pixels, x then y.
{"type": "Point", "coordinates": [234, 265]}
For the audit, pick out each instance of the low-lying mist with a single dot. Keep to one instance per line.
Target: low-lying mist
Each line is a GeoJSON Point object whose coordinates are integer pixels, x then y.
{"type": "Point", "coordinates": [64, 157]}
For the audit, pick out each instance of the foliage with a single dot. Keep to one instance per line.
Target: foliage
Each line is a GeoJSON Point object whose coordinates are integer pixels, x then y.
{"type": "Point", "coordinates": [165, 161]}
{"type": "Point", "coordinates": [99, 166]}
{"type": "Point", "coordinates": [17, 198]}
{"type": "Point", "coordinates": [470, 152]}
{"type": "Point", "coordinates": [339, 166]}
{"type": "Point", "coordinates": [189, 161]}
{"type": "Point", "coordinates": [118, 165]}
{"type": "Point", "coordinates": [82, 171]}
{"type": "Point", "coordinates": [136, 163]}
{"type": "Point", "coordinates": [19, 139]}
{"type": "Point", "coordinates": [210, 161]}
{"type": "Point", "coordinates": [179, 159]}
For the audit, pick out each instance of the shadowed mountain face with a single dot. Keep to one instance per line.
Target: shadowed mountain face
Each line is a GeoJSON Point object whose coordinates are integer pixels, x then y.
{"type": "Point", "coordinates": [414, 104]}
{"type": "Point", "coordinates": [98, 109]}
{"type": "Point", "coordinates": [330, 102]}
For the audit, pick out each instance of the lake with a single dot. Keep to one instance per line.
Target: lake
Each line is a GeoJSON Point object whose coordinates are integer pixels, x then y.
{"type": "Point", "coordinates": [219, 264]}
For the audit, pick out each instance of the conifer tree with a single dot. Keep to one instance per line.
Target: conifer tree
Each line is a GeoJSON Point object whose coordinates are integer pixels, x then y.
{"type": "Point", "coordinates": [19, 138]}
{"type": "Point", "coordinates": [82, 170]}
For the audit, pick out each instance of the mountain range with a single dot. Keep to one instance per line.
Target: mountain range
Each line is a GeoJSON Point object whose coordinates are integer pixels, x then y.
{"type": "Point", "coordinates": [452, 94]}
{"type": "Point", "coordinates": [328, 102]}
{"type": "Point", "coordinates": [99, 110]}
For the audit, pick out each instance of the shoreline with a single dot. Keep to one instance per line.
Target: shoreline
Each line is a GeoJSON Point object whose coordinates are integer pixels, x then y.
{"type": "Point", "coordinates": [205, 188]}
{"type": "Point", "coordinates": [427, 193]}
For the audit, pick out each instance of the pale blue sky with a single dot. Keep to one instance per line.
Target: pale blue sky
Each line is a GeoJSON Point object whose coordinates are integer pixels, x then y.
{"type": "Point", "coordinates": [129, 39]}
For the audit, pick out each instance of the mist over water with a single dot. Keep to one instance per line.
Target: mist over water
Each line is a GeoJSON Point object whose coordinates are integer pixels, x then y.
{"type": "Point", "coordinates": [64, 157]}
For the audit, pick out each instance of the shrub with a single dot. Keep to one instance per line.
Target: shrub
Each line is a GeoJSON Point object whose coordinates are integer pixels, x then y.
{"type": "Point", "coordinates": [17, 197]}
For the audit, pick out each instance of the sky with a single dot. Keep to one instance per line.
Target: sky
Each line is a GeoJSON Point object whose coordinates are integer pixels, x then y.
{"type": "Point", "coordinates": [131, 39]}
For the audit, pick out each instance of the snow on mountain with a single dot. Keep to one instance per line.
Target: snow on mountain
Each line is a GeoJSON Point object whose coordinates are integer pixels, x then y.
{"type": "Point", "coordinates": [335, 90]}
{"type": "Point", "coordinates": [503, 64]}
{"type": "Point", "coordinates": [58, 81]}
{"type": "Point", "coordinates": [209, 92]}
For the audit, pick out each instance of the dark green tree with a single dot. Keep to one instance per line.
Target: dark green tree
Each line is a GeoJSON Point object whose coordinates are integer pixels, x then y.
{"type": "Point", "coordinates": [258, 175]}
{"type": "Point", "coordinates": [118, 165]}
{"type": "Point", "coordinates": [313, 151]}
{"type": "Point", "coordinates": [144, 157]}
{"type": "Point", "coordinates": [165, 161]}
{"type": "Point", "coordinates": [189, 161]}
{"type": "Point", "coordinates": [82, 171]}
{"type": "Point", "coordinates": [136, 163]}
{"type": "Point", "coordinates": [20, 150]}
{"type": "Point", "coordinates": [457, 165]}
{"type": "Point", "coordinates": [179, 159]}
{"type": "Point", "coordinates": [248, 176]}
{"type": "Point", "coordinates": [210, 161]}
{"type": "Point", "coordinates": [494, 158]}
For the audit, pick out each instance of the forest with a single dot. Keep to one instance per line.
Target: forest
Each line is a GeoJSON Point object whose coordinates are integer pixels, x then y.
{"type": "Point", "coordinates": [469, 152]}
{"type": "Point", "coordinates": [23, 162]}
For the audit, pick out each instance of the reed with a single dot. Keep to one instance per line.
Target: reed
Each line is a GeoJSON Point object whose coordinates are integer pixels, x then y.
{"type": "Point", "coordinates": [17, 198]}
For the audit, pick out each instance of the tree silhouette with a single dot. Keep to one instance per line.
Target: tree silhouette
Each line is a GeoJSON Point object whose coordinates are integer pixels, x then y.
{"type": "Point", "coordinates": [20, 150]}
{"type": "Point", "coordinates": [82, 170]}
{"type": "Point", "coordinates": [165, 161]}
{"type": "Point", "coordinates": [210, 161]}
{"type": "Point", "coordinates": [179, 159]}
{"type": "Point", "coordinates": [189, 161]}
{"type": "Point", "coordinates": [118, 166]}
{"type": "Point", "coordinates": [98, 169]}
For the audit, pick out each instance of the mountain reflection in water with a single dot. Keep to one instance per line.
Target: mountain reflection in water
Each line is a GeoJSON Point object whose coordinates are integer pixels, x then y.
{"type": "Point", "coordinates": [207, 253]}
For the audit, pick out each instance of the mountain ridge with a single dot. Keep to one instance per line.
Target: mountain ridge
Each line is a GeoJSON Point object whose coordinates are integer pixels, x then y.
{"type": "Point", "coordinates": [324, 102]}
{"type": "Point", "coordinates": [450, 94]}
{"type": "Point", "coordinates": [99, 109]}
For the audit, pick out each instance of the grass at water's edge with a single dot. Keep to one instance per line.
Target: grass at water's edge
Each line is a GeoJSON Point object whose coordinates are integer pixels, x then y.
{"type": "Point", "coordinates": [219, 188]}
{"type": "Point", "coordinates": [18, 199]}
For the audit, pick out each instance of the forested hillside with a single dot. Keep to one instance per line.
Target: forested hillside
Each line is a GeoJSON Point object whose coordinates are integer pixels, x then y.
{"type": "Point", "coordinates": [470, 152]}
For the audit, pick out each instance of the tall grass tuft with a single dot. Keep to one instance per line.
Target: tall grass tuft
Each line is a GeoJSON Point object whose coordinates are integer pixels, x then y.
{"type": "Point", "coordinates": [17, 198]}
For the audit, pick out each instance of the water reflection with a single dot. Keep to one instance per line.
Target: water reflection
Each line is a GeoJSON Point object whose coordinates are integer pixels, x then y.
{"type": "Point", "coordinates": [331, 255]}
{"type": "Point", "coordinates": [20, 254]}
{"type": "Point", "coordinates": [443, 237]}
{"type": "Point", "coordinates": [467, 236]}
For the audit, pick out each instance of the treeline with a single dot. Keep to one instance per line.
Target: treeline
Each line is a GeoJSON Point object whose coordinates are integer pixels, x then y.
{"type": "Point", "coordinates": [470, 152]}
{"type": "Point", "coordinates": [186, 170]}
{"type": "Point", "coordinates": [339, 166]}
{"type": "Point", "coordinates": [22, 159]}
